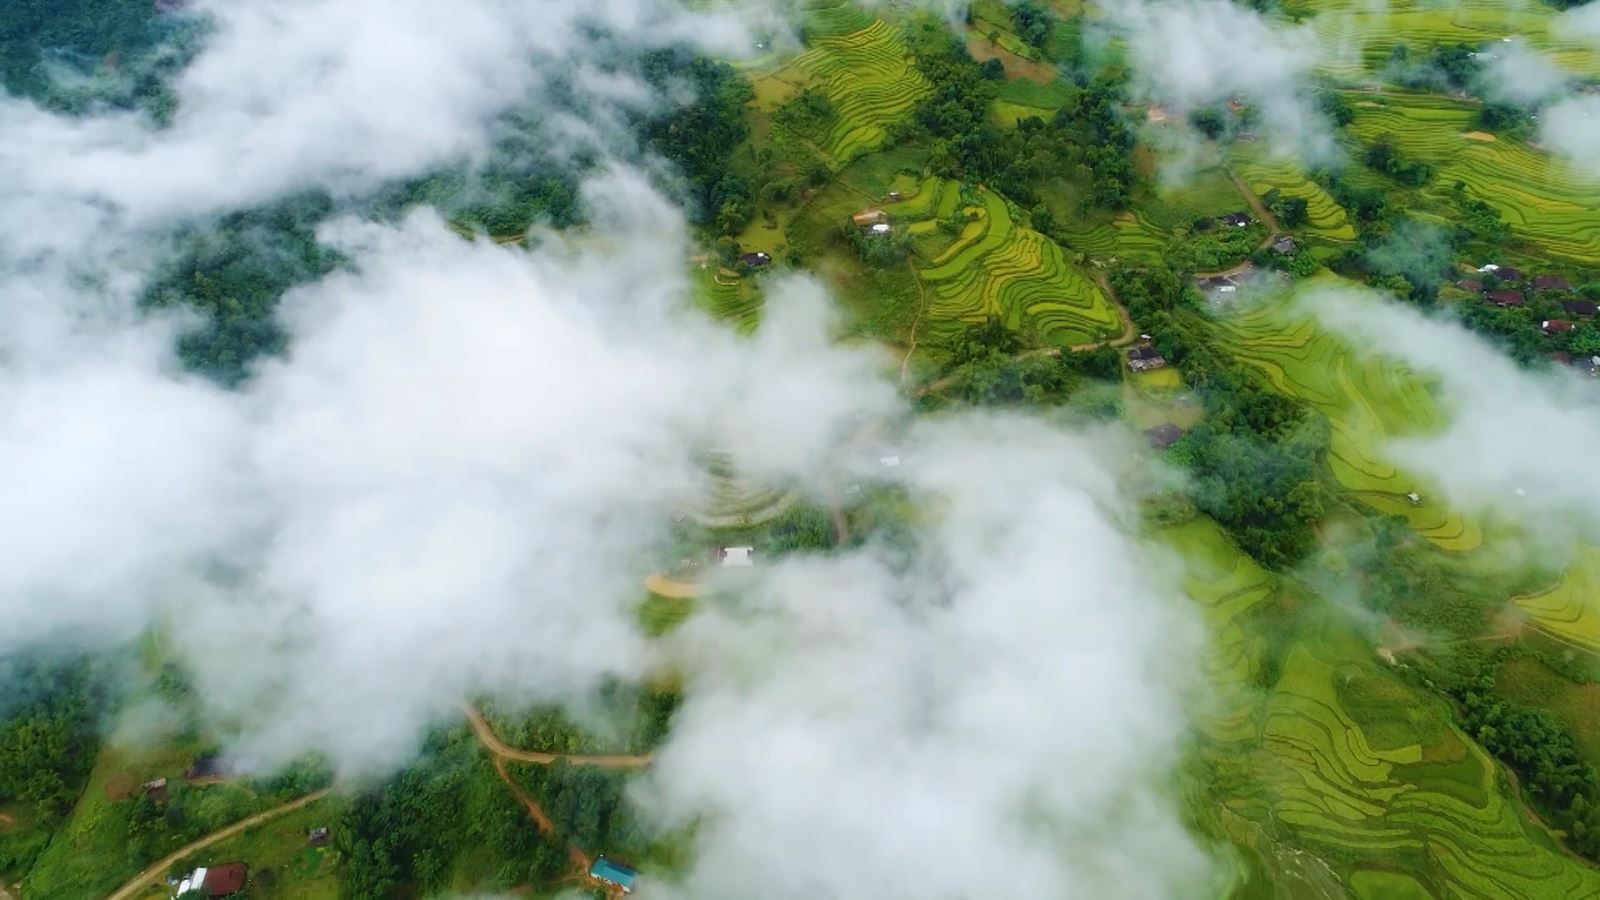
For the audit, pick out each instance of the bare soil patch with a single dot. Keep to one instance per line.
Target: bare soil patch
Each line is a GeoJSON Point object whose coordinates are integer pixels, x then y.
{"type": "Point", "coordinates": [1016, 67]}
{"type": "Point", "coordinates": [1484, 136]}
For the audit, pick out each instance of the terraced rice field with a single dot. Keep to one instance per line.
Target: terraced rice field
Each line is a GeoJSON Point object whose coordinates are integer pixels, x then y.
{"type": "Point", "coordinates": [1570, 610]}
{"type": "Point", "coordinates": [1374, 784]}
{"type": "Point", "coordinates": [1326, 218]}
{"type": "Point", "coordinates": [733, 502]}
{"type": "Point", "coordinates": [1128, 238]}
{"type": "Point", "coordinates": [869, 77]}
{"type": "Point", "coordinates": [996, 268]}
{"type": "Point", "coordinates": [728, 297]}
{"type": "Point", "coordinates": [1368, 400]}
{"type": "Point", "coordinates": [1540, 197]}
{"type": "Point", "coordinates": [1364, 33]}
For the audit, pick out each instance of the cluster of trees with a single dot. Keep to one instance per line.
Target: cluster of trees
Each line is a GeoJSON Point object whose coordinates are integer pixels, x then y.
{"type": "Point", "coordinates": [1255, 458]}
{"type": "Point", "coordinates": [125, 42]}
{"type": "Point", "coordinates": [1089, 133]}
{"type": "Point", "coordinates": [1555, 775]}
{"type": "Point", "coordinates": [1382, 155]}
{"type": "Point", "coordinates": [1291, 211]}
{"type": "Point", "coordinates": [1444, 67]}
{"type": "Point", "coordinates": [410, 832]}
{"type": "Point", "coordinates": [587, 806]}
{"type": "Point", "coordinates": [700, 137]}
{"type": "Point", "coordinates": [992, 365]}
{"type": "Point", "coordinates": [1210, 246]}
{"type": "Point", "coordinates": [1033, 23]}
{"type": "Point", "coordinates": [48, 733]}
{"type": "Point", "coordinates": [233, 271]}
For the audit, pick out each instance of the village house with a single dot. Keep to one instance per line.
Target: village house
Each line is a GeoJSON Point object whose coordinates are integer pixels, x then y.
{"type": "Point", "coordinates": [1582, 309]}
{"type": "Point", "coordinates": [1504, 298]}
{"type": "Point", "coordinates": [214, 881]}
{"type": "Point", "coordinates": [1555, 326]}
{"type": "Point", "coordinates": [871, 219]}
{"type": "Point", "coordinates": [1506, 273]}
{"type": "Point", "coordinates": [1551, 283]}
{"type": "Point", "coordinates": [318, 837]}
{"type": "Point", "coordinates": [756, 259]}
{"type": "Point", "coordinates": [1143, 359]}
{"type": "Point", "coordinates": [207, 767]}
{"type": "Point", "coordinates": [1285, 245]}
{"type": "Point", "coordinates": [1163, 436]}
{"type": "Point", "coordinates": [1236, 219]}
{"type": "Point", "coordinates": [155, 790]}
{"type": "Point", "coordinates": [895, 197]}
{"type": "Point", "coordinates": [1470, 285]}
{"type": "Point", "coordinates": [736, 557]}
{"type": "Point", "coordinates": [614, 874]}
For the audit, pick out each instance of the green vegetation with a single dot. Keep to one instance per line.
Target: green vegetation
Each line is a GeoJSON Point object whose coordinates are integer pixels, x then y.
{"type": "Point", "coordinates": [1570, 610]}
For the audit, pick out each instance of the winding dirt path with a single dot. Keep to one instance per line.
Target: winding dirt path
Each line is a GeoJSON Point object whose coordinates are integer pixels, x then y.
{"type": "Point", "coordinates": [156, 870]}
{"type": "Point", "coordinates": [502, 750]}
{"type": "Point", "coordinates": [1263, 214]}
{"type": "Point", "coordinates": [579, 859]}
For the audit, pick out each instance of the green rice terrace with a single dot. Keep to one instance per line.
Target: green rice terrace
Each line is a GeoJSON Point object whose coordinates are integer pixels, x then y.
{"type": "Point", "coordinates": [1570, 609]}
{"type": "Point", "coordinates": [1368, 400]}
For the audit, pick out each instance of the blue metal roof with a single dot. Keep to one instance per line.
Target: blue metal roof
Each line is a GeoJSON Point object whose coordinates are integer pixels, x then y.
{"type": "Point", "coordinates": [616, 873]}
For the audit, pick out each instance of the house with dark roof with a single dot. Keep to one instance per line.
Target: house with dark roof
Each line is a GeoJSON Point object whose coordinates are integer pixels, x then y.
{"type": "Point", "coordinates": [1506, 273]}
{"type": "Point", "coordinates": [1285, 244]}
{"type": "Point", "coordinates": [206, 766]}
{"type": "Point", "coordinates": [1143, 359]}
{"type": "Point", "coordinates": [318, 837]}
{"type": "Point", "coordinates": [1551, 283]}
{"type": "Point", "coordinates": [155, 790]}
{"type": "Point", "coordinates": [1583, 309]}
{"type": "Point", "coordinates": [1504, 298]}
{"type": "Point", "coordinates": [756, 260]}
{"type": "Point", "coordinates": [214, 881]}
{"type": "Point", "coordinates": [1163, 436]}
{"type": "Point", "coordinates": [1236, 219]}
{"type": "Point", "coordinates": [614, 874]}
{"type": "Point", "coordinates": [1555, 326]}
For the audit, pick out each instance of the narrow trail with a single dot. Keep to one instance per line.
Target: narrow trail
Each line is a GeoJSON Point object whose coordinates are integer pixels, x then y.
{"type": "Point", "coordinates": [158, 869]}
{"type": "Point", "coordinates": [492, 742]}
{"type": "Point", "coordinates": [922, 304]}
{"type": "Point", "coordinates": [580, 860]}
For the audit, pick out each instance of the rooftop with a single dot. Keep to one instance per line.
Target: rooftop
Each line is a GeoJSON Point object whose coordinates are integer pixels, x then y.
{"type": "Point", "coordinates": [613, 873]}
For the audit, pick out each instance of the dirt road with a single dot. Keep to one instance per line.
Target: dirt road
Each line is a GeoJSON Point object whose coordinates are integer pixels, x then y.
{"type": "Point", "coordinates": [580, 860]}
{"type": "Point", "coordinates": [492, 742]}
{"type": "Point", "coordinates": [158, 869]}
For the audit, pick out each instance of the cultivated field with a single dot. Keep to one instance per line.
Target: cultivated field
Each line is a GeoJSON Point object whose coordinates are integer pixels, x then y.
{"type": "Point", "coordinates": [727, 296]}
{"type": "Point", "coordinates": [1326, 218]}
{"type": "Point", "coordinates": [862, 65]}
{"type": "Point", "coordinates": [1571, 609]}
{"type": "Point", "coordinates": [1369, 776]}
{"type": "Point", "coordinates": [997, 268]}
{"type": "Point", "coordinates": [1360, 35]}
{"type": "Point", "coordinates": [1367, 399]}
{"type": "Point", "coordinates": [1539, 196]}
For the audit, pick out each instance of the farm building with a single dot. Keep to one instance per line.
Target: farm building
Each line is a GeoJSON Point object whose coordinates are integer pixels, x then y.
{"type": "Point", "coordinates": [1237, 219]}
{"type": "Point", "coordinates": [736, 557]}
{"type": "Point", "coordinates": [206, 766]}
{"type": "Point", "coordinates": [1143, 359]}
{"type": "Point", "coordinates": [1551, 283]}
{"type": "Point", "coordinates": [318, 837]}
{"type": "Point", "coordinates": [1506, 273]}
{"type": "Point", "coordinates": [1470, 285]}
{"type": "Point", "coordinates": [1163, 436]}
{"type": "Point", "coordinates": [1504, 298]}
{"type": "Point", "coordinates": [155, 790]}
{"type": "Point", "coordinates": [870, 218]}
{"type": "Point", "coordinates": [615, 874]}
{"type": "Point", "coordinates": [1555, 326]}
{"type": "Point", "coordinates": [756, 260]}
{"type": "Point", "coordinates": [1582, 309]}
{"type": "Point", "coordinates": [214, 881]}
{"type": "Point", "coordinates": [1285, 244]}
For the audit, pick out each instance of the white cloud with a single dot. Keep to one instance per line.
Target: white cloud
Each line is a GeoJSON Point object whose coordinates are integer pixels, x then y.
{"type": "Point", "coordinates": [1517, 443]}
{"type": "Point", "coordinates": [1516, 73]}
{"type": "Point", "coordinates": [1193, 53]}
{"type": "Point", "coordinates": [1571, 128]}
